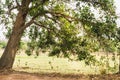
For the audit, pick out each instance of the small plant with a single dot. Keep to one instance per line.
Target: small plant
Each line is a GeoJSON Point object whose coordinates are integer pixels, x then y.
{"type": "Point", "coordinates": [18, 63]}
{"type": "Point", "coordinates": [26, 63]}
{"type": "Point", "coordinates": [103, 71]}
{"type": "Point", "coordinates": [51, 64]}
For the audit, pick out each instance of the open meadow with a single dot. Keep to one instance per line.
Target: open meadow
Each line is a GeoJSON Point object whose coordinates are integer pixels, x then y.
{"type": "Point", "coordinates": [44, 67]}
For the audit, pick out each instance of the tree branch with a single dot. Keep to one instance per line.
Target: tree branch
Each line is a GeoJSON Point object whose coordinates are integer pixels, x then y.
{"type": "Point", "coordinates": [9, 11]}
{"type": "Point", "coordinates": [31, 21]}
{"type": "Point", "coordinates": [53, 19]}
{"type": "Point", "coordinates": [94, 1]}
{"type": "Point", "coordinates": [25, 4]}
{"type": "Point", "coordinates": [41, 25]}
{"type": "Point", "coordinates": [60, 14]}
{"type": "Point", "coordinates": [17, 3]}
{"type": "Point", "coordinates": [57, 14]}
{"type": "Point", "coordinates": [49, 29]}
{"type": "Point", "coordinates": [33, 18]}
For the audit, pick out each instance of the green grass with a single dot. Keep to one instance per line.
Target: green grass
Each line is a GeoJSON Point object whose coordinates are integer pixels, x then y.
{"type": "Point", "coordinates": [45, 64]}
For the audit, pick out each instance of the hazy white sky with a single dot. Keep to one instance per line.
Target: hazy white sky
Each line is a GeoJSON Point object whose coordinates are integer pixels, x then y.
{"type": "Point", "coordinates": [117, 3]}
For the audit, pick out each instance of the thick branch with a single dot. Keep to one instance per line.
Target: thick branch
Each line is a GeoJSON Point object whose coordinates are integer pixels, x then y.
{"type": "Point", "coordinates": [31, 21]}
{"type": "Point", "coordinates": [25, 3]}
{"type": "Point", "coordinates": [33, 18]}
{"type": "Point", "coordinates": [69, 18]}
{"type": "Point", "coordinates": [60, 14]}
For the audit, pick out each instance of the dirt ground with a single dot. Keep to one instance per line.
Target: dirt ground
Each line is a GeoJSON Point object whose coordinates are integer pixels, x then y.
{"type": "Point", "coordinates": [55, 76]}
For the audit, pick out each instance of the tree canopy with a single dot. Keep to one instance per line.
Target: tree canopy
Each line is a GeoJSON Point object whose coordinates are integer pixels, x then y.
{"type": "Point", "coordinates": [65, 27]}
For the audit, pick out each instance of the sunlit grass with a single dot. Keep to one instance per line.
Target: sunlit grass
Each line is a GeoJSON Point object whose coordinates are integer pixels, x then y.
{"type": "Point", "coordinates": [45, 64]}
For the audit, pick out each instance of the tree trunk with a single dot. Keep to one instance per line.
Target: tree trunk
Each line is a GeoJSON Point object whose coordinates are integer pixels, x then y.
{"type": "Point", "coordinates": [7, 59]}
{"type": "Point", "coordinates": [119, 65]}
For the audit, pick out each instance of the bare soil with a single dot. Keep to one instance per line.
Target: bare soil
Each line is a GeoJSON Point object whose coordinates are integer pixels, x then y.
{"type": "Point", "coordinates": [14, 75]}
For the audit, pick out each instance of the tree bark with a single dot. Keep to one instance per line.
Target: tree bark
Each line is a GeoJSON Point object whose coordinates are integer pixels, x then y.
{"type": "Point", "coordinates": [7, 59]}
{"type": "Point", "coordinates": [119, 65]}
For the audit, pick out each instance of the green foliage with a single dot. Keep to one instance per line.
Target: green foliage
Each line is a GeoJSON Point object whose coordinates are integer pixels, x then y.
{"type": "Point", "coordinates": [9, 31]}
{"type": "Point", "coordinates": [105, 5]}
{"type": "Point", "coordinates": [55, 51]}
{"type": "Point", "coordinates": [63, 30]}
{"type": "Point", "coordinates": [2, 44]}
{"type": "Point", "coordinates": [23, 45]}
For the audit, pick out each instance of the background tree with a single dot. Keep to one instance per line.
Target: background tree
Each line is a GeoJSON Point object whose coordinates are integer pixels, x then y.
{"type": "Point", "coordinates": [68, 27]}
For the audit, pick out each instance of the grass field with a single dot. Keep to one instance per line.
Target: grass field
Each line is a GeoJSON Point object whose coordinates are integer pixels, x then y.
{"type": "Point", "coordinates": [45, 64]}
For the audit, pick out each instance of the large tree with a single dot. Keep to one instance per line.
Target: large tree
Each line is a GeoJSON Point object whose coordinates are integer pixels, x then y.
{"type": "Point", "coordinates": [68, 25]}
